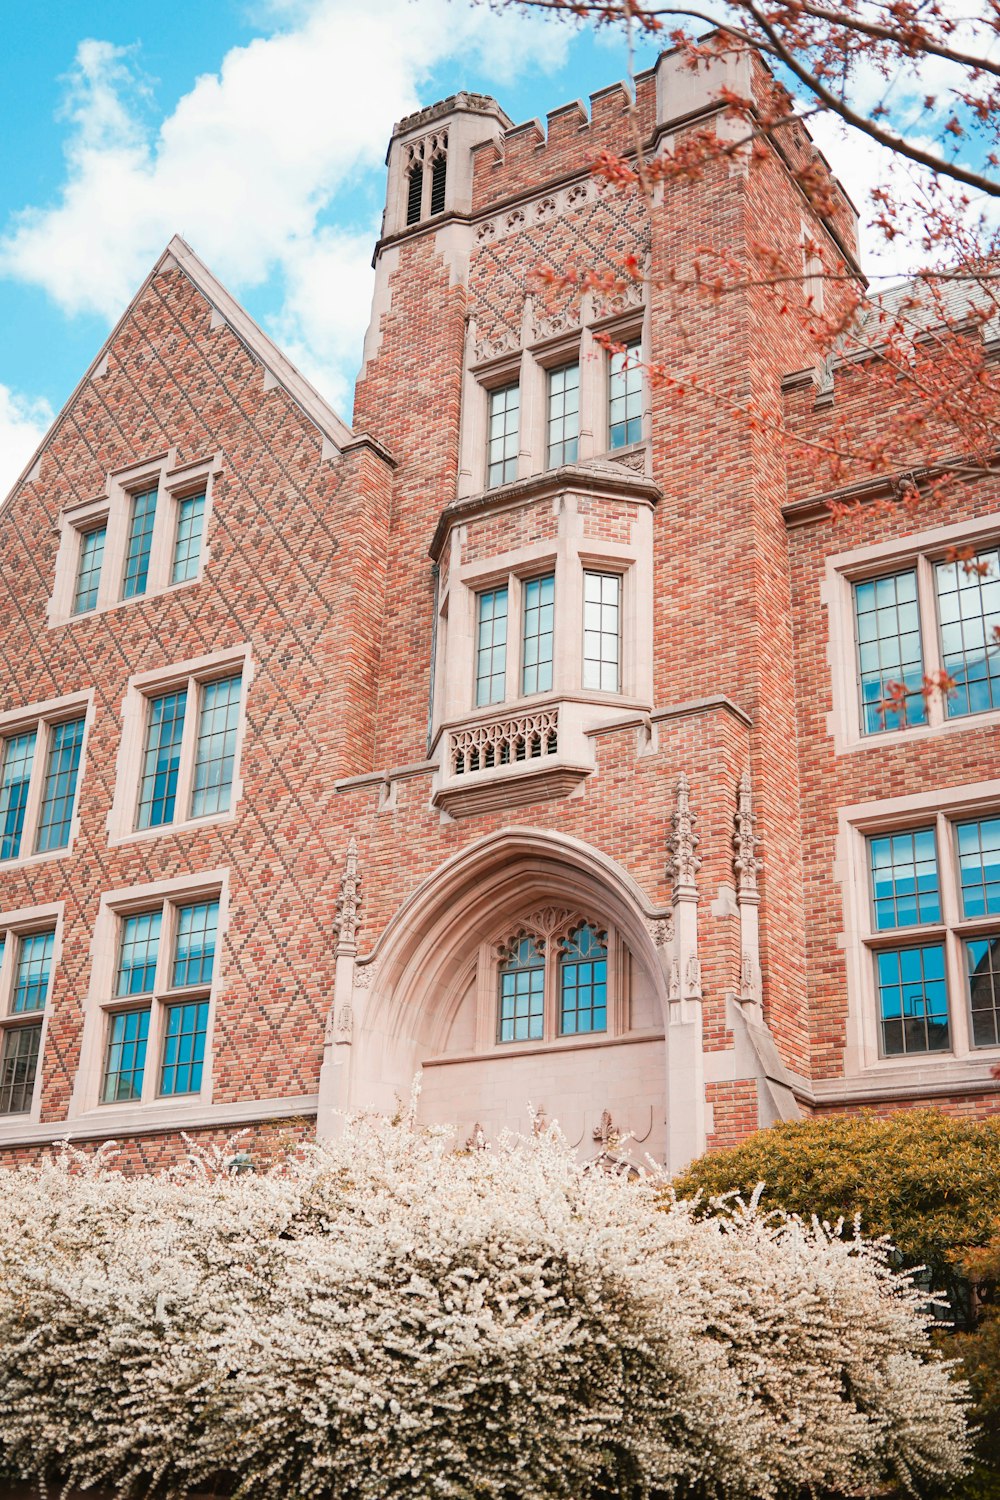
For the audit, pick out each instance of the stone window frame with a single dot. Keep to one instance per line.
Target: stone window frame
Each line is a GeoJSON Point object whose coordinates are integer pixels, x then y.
{"type": "Point", "coordinates": [530, 366]}
{"type": "Point", "coordinates": [44, 717]}
{"type": "Point", "coordinates": [941, 808]}
{"type": "Point", "coordinates": [842, 570]}
{"type": "Point", "coordinates": [24, 922]}
{"type": "Point", "coordinates": [548, 925]}
{"type": "Point", "coordinates": [568, 564]}
{"type": "Point", "coordinates": [174, 483]}
{"type": "Point", "coordinates": [194, 673]}
{"type": "Point", "coordinates": [102, 1002]}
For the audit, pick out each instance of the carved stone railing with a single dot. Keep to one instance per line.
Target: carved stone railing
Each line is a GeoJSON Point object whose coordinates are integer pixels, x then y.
{"type": "Point", "coordinates": [504, 742]}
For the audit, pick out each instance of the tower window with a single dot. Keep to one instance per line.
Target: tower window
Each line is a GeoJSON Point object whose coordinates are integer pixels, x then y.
{"type": "Point", "coordinates": [439, 174]}
{"type": "Point", "coordinates": [414, 193]}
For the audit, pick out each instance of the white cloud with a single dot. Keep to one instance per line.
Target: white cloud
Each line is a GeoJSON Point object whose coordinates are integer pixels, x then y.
{"type": "Point", "coordinates": [252, 156]}
{"type": "Point", "coordinates": [23, 423]}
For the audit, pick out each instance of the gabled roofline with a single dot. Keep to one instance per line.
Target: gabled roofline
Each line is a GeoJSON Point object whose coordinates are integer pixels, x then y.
{"type": "Point", "coordinates": [336, 433]}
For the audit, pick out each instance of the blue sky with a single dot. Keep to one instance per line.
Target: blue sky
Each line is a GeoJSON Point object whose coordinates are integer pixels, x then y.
{"type": "Point", "coordinates": [255, 128]}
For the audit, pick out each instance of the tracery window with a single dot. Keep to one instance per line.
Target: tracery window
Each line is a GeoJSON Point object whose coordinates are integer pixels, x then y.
{"type": "Point", "coordinates": [552, 979]}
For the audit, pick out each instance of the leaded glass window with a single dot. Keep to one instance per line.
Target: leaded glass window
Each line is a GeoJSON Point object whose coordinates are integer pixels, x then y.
{"type": "Point", "coordinates": [18, 1068]}
{"type": "Point", "coordinates": [913, 1000]}
{"type": "Point", "coordinates": [88, 573]}
{"type": "Point", "coordinates": [161, 759]}
{"type": "Point", "coordinates": [16, 757]}
{"type": "Point", "coordinates": [522, 992]}
{"type": "Point", "coordinates": [968, 601]}
{"type": "Point", "coordinates": [887, 626]}
{"type": "Point", "coordinates": [502, 443]}
{"type": "Point", "coordinates": [539, 634]}
{"type": "Point", "coordinates": [34, 970]}
{"type": "Point", "coordinates": [602, 631]}
{"type": "Point", "coordinates": [140, 543]}
{"type": "Point", "coordinates": [128, 1033]}
{"type": "Point", "coordinates": [979, 866]}
{"type": "Point", "coordinates": [583, 981]}
{"type": "Point", "coordinates": [187, 543]}
{"type": "Point", "coordinates": [905, 879]}
{"type": "Point", "coordinates": [491, 646]}
{"type": "Point", "coordinates": [625, 397]}
{"type": "Point", "coordinates": [194, 947]}
{"type": "Point", "coordinates": [59, 795]}
{"type": "Point", "coordinates": [138, 954]}
{"type": "Point", "coordinates": [564, 415]}
{"type": "Point", "coordinates": [184, 1047]}
{"type": "Point", "coordinates": [982, 957]}
{"type": "Point", "coordinates": [215, 753]}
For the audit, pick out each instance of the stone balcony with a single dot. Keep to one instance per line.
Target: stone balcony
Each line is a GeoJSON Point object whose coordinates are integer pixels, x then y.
{"type": "Point", "coordinates": [512, 757]}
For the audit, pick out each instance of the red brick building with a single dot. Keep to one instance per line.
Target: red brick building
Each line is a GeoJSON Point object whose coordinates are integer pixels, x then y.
{"type": "Point", "coordinates": [522, 734]}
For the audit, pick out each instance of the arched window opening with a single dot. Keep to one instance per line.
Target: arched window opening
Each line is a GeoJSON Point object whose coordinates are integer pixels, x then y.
{"type": "Point", "coordinates": [583, 981]}
{"type": "Point", "coordinates": [439, 173]}
{"type": "Point", "coordinates": [414, 192]}
{"type": "Point", "coordinates": [522, 992]}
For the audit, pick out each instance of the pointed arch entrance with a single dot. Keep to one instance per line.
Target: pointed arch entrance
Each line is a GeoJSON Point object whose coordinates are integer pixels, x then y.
{"type": "Point", "coordinates": [526, 973]}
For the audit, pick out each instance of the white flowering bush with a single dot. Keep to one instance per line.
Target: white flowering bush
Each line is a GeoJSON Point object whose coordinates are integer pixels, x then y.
{"type": "Point", "coordinates": [384, 1317]}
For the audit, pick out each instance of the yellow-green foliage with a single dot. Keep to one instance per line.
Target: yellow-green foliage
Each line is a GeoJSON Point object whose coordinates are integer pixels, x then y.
{"type": "Point", "coordinates": [927, 1180]}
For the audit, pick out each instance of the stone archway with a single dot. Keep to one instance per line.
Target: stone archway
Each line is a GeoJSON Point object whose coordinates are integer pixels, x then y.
{"type": "Point", "coordinates": [419, 998]}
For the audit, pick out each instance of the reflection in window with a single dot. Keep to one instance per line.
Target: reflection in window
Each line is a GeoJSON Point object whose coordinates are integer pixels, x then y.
{"type": "Point", "coordinates": [887, 623]}
{"type": "Point", "coordinates": [215, 755]}
{"type": "Point", "coordinates": [522, 993]}
{"type": "Point", "coordinates": [140, 543]}
{"type": "Point", "coordinates": [979, 866]}
{"type": "Point", "coordinates": [16, 757]}
{"type": "Point", "coordinates": [34, 970]}
{"type": "Point", "coordinates": [128, 1033]}
{"type": "Point", "coordinates": [583, 981]}
{"type": "Point", "coordinates": [913, 1000]}
{"type": "Point", "coordinates": [162, 759]}
{"type": "Point", "coordinates": [905, 879]}
{"type": "Point", "coordinates": [187, 543]}
{"type": "Point", "coordinates": [88, 573]}
{"type": "Point", "coordinates": [625, 397]}
{"type": "Point", "coordinates": [969, 613]}
{"type": "Point", "coordinates": [59, 796]}
{"type": "Point", "coordinates": [983, 962]}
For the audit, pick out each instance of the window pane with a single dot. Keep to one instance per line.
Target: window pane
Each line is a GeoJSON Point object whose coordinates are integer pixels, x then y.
{"type": "Point", "coordinates": [913, 1000]}
{"type": "Point", "coordinates": [601, 631]}
{"type": "Point", "coordinates": [503, 427]}
{"type": "Point", "coordinates": [564, 415]}
{"type": "Point", "coordinates": [59, 795]}
{"type": "Point", "coordinates": [536, 654]}
{"type": "Point", "coordinates": [491, 647]}
{"type": "Point", "coordinates": [18, 754]}
{"type": "Point", "coordinates": [625, 397]}
{"type": "Point", "coordinates": [215, 754]}
{"type": "Point", "coordinates": [128, 1033]}
{"type": "Point", "coordinates": [583, 982]}
{"type": "Point", "coordinates": [34, 968]}
{"type": "Point", "coordinates": [969, 613]}
{"type": "Point", "coordinates": [979, 866]}
{"type": "Point", "coordinates": [194, 951]}
{"type": "Point", "coordinates": [983, 961]}
{"type": "Point", "coordinates": [18, 1066]}
{"type": "Point", "coordinates": [904, 879]}
{"type": "Point", "coordinates": [140, 540]}
{"type": "Point", "coordinates": [187, 546]}
{"type": "Point", "coordinates": [522, 993]}
{"type": "Point", "coordinates": [139, 949]}
{"type": "Point", "coordinates": [184, 1048]}
{"type": "Point", "coordinates": [887, 625]}
{"type": "Point", "coordinates": [162, 758]}
{"type": "Point", "coordinates": [88, 573]}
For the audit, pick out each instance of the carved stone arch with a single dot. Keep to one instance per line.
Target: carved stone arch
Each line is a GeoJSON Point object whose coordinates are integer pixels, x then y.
{"type": "Point", "coordinates": [516, 877]}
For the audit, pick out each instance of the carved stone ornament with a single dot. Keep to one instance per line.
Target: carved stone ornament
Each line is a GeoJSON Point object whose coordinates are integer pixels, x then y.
{"type": "Point", "coordinates": [508, 341]}
{"type": "Point", "coordinates": [547, 326]}
{"type": "Point", "coordinates": [538, 211]}
{"type": "Point", "coordinates": [607, 1133]}
{"type": "Point", "coordinates": [631, 294]}
{"type": "Point", "coordinates": [683, 863]}
{"type": "Point", "coordinates": [365, 975]}
{"type": "Point", "coordinates": [692, 978]}
{"type": "Point", "coordinates": [661, 930]}
{"type": "Point", "coordinates": [345, 1024]}
{"type": "Point", "coordinates": [674, 987]}
{"type": "Point", "coordinates": [748, 989]}
{"type": "Point", "coordinates": [347, 921]}
{"type": "Point", "coordinates": [745, 862]}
